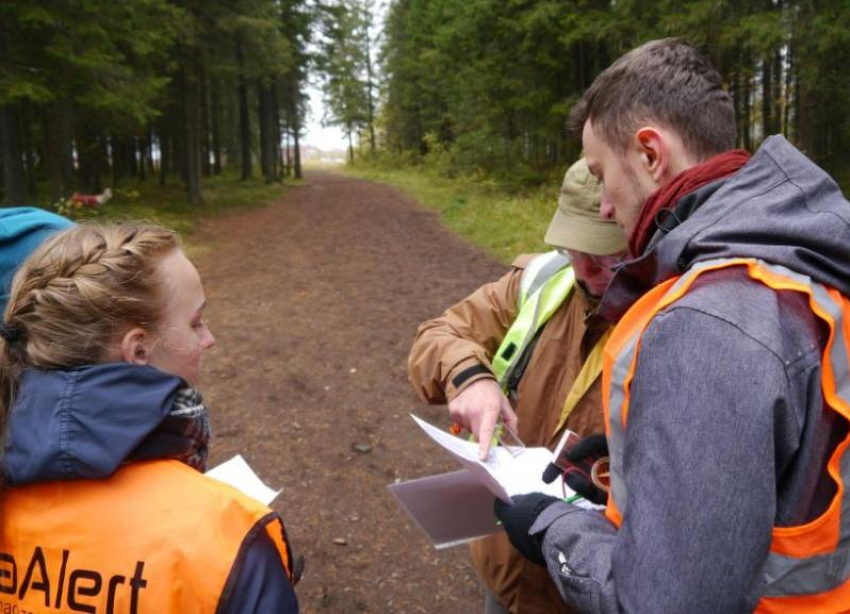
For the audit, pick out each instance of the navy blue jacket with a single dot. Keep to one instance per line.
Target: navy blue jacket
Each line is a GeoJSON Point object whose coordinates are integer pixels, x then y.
{"type": "Point", "coordinates": [55, 435]}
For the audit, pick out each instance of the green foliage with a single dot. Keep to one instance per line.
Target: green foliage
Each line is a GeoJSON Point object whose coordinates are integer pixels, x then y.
{"type": "Point", "coordinates": [101, 54]}
{"type": "Point", "coordinates": [136, 87]}
{"type": "Point", "coordinates": [494, 80]}
{"type": "Point", "coordinates": [344, 63]}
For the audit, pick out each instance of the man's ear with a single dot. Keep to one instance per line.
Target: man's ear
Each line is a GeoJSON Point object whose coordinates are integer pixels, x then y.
{"type": "Point", "coordinates": [135, 346]}
{"type": "Point", "coordinates": [653, 152]}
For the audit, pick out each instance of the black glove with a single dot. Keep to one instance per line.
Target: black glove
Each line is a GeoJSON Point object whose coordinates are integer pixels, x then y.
{"type": "Point", "coordinates": [517, 520]}
{"type": "Point", "coordinates": [551, 473]}
{"type": "Point", "coordinates": [584, 452]}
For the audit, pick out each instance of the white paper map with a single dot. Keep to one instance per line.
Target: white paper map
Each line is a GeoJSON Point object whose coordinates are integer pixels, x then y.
{"type": "Point", "coordinates": [237, 473]}
{"type": "Point", "coordinates": [453, 508]}
{"type": "Point", "coordinates": [503, 474]}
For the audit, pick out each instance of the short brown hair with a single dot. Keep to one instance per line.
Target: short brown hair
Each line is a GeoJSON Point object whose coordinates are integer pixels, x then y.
{"type": "Point", "coordinates": [667, 81]}
{"type": "Point", "coordinates": [78, 293]}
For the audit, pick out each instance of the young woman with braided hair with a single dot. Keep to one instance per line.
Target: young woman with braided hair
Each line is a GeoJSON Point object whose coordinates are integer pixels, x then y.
{"type": "Point", "coordinates": [105, 507]}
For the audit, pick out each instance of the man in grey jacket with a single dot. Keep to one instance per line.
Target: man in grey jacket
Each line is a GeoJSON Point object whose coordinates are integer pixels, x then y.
{"type": "Point", "coordinates": [729, 402]}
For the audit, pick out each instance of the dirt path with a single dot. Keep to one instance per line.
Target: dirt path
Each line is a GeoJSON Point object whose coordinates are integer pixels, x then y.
{"type": "Point", "coordinates": [314, 301]}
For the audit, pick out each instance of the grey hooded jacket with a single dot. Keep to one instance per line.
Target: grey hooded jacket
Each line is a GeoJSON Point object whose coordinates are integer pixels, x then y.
{"type": "Point", "coordinates": [727, 434]}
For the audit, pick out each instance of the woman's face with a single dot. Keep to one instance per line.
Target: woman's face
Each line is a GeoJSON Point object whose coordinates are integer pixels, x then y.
{"type": "Point", "coordinates": [183, 335]}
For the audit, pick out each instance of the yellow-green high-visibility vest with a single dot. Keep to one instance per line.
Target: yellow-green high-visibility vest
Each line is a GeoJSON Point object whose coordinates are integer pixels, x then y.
{"type": "Point", "coordinates": [546, 283]}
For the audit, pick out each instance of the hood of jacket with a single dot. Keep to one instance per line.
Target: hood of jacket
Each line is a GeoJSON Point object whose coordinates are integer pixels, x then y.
{"type": "Point", "coordinates": [22, 230]}
{"type": "Point", "coordinates": [780, 207]}
{"type": "Point", "coordinates": [83, 423]}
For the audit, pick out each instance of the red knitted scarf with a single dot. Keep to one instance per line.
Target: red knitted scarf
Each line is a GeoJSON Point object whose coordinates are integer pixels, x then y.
{"type": "Point", "coordinates": [721, 165]}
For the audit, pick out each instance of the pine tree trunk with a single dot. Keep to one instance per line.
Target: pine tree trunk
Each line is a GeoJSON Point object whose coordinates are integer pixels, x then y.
{"type": "Point", "coordinates": [215, 123]}
{"type": "Point", "coordinates": [244, 119]}
{"type": "Point", "coordinates": [295, 122]}
{"type": "Point", "coordinates": [70, 173]}
{"type": "Point", "coordinates": [52, 154]}
{"type": "Point", "coordinates": [287, 151]}
{"type": "Point", "coordinates": [777, 91]}
{"type": "Point", "coordinates": [178, 136]}
{"type": "Point", "coordinates": [744, 101]}
{"type": "Point", "coordinates": [130, 149]}
{"type": "Point", "coordinates": [88, 156]}
{"type": "Point", "coordinates": [767, 96]}
{"type": "Point", "coordinates": [266, 138]}
{"type": "Point", "coordinates": [206, 166]}
{"type": "Point", "coordinates": [29, 152]}
{"type": "Point", "coordinates": [117, 159]}
{"type": "Point", "coordinates": [164, 153]}
{"type": "Point", "coordinates": [371, 102]}
{"type": "Point", "coordinates": [229, 134]}
{"type": "Point", "coordinates": [141, 144]}
{"type": "Point", "coordinates": [748, 114]}
{"type": "Point", "coordinates": [789, 100]}
{"type": "Point", "coordinates": [14, 182]}
{"type": "Point", "coordinates": [737, 94]}
{"type": "Point", "coordinates": [296, 150]}
{"type": "Point", "coordinates": [192, 104]}
{"type": "Point", "coordinates": [149, 149]}
{"type": "Point", "coordinates": [278, 159]}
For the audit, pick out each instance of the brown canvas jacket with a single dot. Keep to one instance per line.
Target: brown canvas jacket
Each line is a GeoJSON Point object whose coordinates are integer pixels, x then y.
{"type": "Point", "coordinates": [469, 333]}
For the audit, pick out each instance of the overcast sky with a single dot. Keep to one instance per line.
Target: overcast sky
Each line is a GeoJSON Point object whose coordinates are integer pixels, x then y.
{"type": "Point", "coordinates": [325, 138]}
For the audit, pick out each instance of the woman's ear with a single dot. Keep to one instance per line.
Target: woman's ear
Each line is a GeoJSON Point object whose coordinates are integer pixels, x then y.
{"type": "Point", "coordinates": [135, 346]}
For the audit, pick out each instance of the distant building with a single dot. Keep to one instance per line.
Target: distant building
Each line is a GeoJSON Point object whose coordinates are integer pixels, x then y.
{"type": "Point", "coordinates": [311, 153]}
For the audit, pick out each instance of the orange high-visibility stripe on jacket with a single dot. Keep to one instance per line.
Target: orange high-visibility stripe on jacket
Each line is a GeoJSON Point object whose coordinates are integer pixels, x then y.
{"type": "Point", "coordinates": [808, 567]}
{"type": "Point", "coordinates": [155, 537]}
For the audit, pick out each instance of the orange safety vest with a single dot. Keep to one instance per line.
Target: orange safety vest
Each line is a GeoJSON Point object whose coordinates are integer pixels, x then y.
{"type": "Point", "coordinates": [808, 567]}
{"type": "Point", "coordinates": [155, 537]}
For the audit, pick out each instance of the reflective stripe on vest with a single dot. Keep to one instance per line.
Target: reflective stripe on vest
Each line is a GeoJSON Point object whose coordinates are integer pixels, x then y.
{"type": "Point", "coordinates": [539, 271]}
{"type": "Point", "coordinates": [808, 567]}
{"type": "Point", "coordinates": [545, 284]}
{"type": "Point", "coordinates": [155, 537]}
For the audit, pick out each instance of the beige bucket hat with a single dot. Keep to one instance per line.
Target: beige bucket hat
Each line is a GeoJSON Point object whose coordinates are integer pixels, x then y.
{"type": "Point", "coordinates": [577, 224]}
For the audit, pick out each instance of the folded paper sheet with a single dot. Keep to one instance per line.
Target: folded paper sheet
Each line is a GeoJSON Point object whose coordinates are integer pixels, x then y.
{"type": "Point", "coordinates": [237, 473]}
{"type": "Point", "coordinates": [502, 473]}
{"type": "Point", "coordinates": [453, 508]}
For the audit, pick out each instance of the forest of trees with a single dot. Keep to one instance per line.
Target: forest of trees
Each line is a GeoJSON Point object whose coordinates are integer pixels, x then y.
{"type": "Point", "coordinates": [96, 92]}
{"type": "Point", "coordinates": [99, 92]}
{"type": "Point", "coordinates": [345, 52]}
{"type": "Point", "coordinates": [488, 84]}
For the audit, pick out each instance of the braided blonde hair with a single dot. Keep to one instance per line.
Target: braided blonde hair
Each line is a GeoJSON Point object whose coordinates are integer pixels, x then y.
{"type": "Point", "coordinates": [76, 296]}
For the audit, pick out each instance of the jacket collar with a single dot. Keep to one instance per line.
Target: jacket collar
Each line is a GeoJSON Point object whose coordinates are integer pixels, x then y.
{"type": "Point", "coordinates": [634, 278]}
{"type": "Point", "coordinates": [780, 207]}
{"type": "Point", "coordinates": [84, 422]}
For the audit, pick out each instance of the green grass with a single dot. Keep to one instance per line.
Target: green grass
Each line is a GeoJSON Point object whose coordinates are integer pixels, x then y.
{"type": "Point", "coordinates": [500, 220]}
{"type": "Point", "coordinates": [169, 205]}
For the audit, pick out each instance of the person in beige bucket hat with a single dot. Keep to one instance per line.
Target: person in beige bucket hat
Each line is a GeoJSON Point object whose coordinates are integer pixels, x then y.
{"type": "Point", "coordinates": [542, 380]}
{"type": "Point", "coordinates": [577, 224]}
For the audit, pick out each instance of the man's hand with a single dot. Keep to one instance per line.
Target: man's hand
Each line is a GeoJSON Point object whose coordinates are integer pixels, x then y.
{"type": "Point", "coordinates": [517, 519]}
{"type": "Point", "coordinates": [477, 409]}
